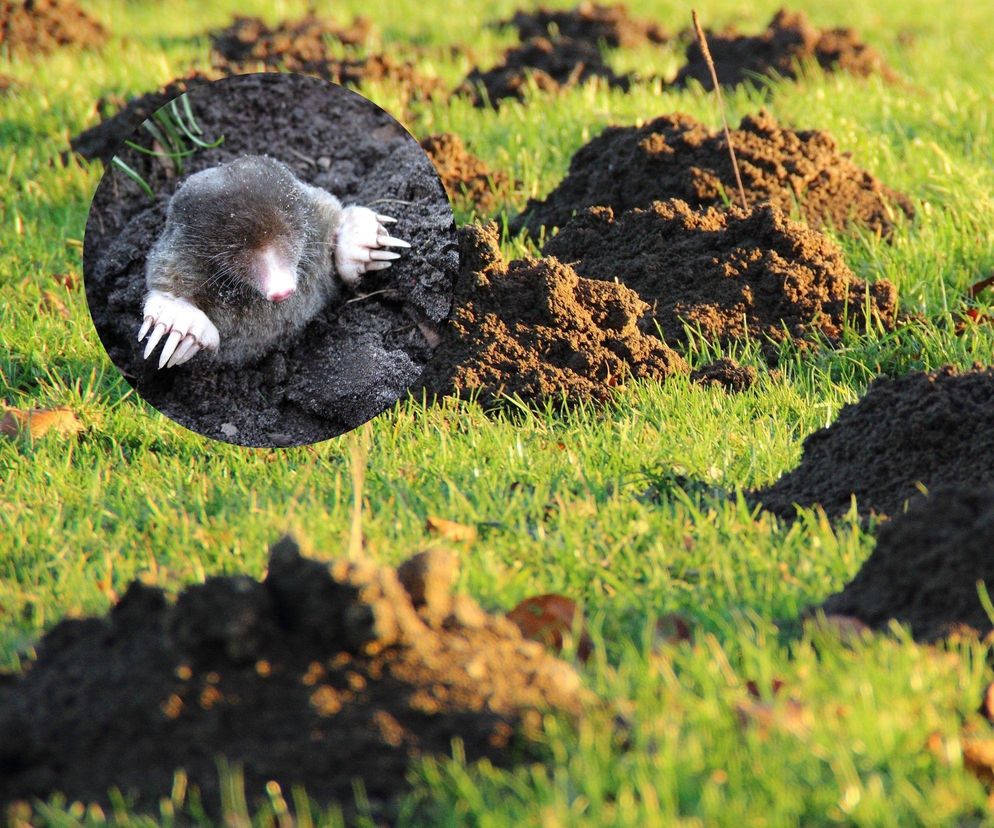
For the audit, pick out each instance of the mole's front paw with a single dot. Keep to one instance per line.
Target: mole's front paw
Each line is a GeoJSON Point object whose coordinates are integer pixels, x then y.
{"type": "Point", "coordinates": [189, 329]}
{"type": "Point", "coordinates": [359, 243]}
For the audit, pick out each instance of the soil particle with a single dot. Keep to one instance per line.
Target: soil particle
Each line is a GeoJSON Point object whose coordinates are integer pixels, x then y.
{"type": "Point", "coordinates": [789, 40]}
{"type": "Point", "coordinates": [551, 64]}
{"type": "Point", "coordinates": [590, 22]}
{"type": "Point", "coordinates": [40, 26]}
{"type": "Point", "coordinates": [928, 429]}
{"type": "Point", "coordinates": [299, 41]}
{"type": "Point", "coordinates": [320, 674]}
{"type": "Point", "coordinates": [674, 156]}
{"type": "Point", "coordinates": [352, 361]}
{"type": "Point", "coordinates": [725, 373]}
{"type": "Point", "coordinates": [465, 177]}
{"type": "Point", "coordinates": [730, 273]}
{"type": "Point", "coordinates": [534, 329]}
{"type": "Point", "coordinates": [925, 567]}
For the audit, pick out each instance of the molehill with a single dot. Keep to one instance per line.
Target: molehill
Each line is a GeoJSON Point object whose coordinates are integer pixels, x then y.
{"type": "Point", "coordinates": [591, 22]}
{"type": "Point", "coordinates": [40, 26]}
{"type": "Point", "coordinates": [465, 177]}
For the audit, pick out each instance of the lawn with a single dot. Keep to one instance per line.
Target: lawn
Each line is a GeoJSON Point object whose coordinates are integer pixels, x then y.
{"type": "Point", "coordinates": [633, 508]}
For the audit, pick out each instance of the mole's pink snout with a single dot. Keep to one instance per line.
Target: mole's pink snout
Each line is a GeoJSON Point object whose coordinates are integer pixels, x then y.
{"type": "Point", "coordinates": [280, 296]}
{"type": "Point", "coordinates": [277, 280]}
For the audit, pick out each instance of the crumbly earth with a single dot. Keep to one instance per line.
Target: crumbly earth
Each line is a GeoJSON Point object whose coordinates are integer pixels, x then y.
{"type": "Point", "coordinates": [320, 674]}
{"type": "Point", "coordinates": [299, 41]}
{"type": "Point", "coordinates": [39, 26]}
{"type": "Point", "coordinates": [355, 359]}
{"type": "Point", "coordinates": [928, 429]}
{"type": "Point", "coordinates": [551, 65]}
{"type": "Point", "coordinates": [787, 42]}
{"type": "Point", "coordinates": [725, 373]}
{"type": "Point", "coordinates": [592, 22]}
{"type": "Point", "coordinates": [534, 329]}
{"type": "Point", "coordinates": [730, 273]}
{"type": "Point", "coordinates": [465, 177]}
{"type": "Point", "coordinates": [675, 156]}
{"type": "Point", "coordinates": [926, 564]}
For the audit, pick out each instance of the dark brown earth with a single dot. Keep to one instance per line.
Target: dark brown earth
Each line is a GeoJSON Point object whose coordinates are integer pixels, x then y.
{"type": "Point", "coordinates": [354, 360]}
{"type": "Point", "coordinates": [592, 22]}
{"type": "Point", "coordinates": [729, 273]}
{"type": "Point", "coordinates": [299, 41]}
{"type": "Point", "coordinates": [932, 429]}
{"type": "Point", "coordinates": [551, 64]}
{"type": "Point", "coordinates": [789, 41]}
{"type": "Point", "coordinates": [534, 329]}
{"type": "Point", "coordinates": [926, 564]}
{"type": "Point", "coordinates": [674, 156]}
{"type": "Point", "coordinates": [465, 177]}
{"type": "Point", "coordinates": [725, 373]}
{"type": "Point", "coordinates": [39, 26]}
{"type": "Point", "coordinates": [316, 676]}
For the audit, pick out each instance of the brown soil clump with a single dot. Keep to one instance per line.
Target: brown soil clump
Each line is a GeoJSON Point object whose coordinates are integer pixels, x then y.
{"type": "Point", "coordinates": [318, 675]}
{"type": "Point", "coordinates": [725, 373]}
{"type": "Point", "coordinates": [40, 26]}
{"type": "Point", "coordinates": [730, 273]}
{"type": "Point", "coordinates": [925, 567]}
{"type": "Point", "coordinates": [534, 329]}
{"type": "Point", "coordinates": [299, 41]}
{"type": "Point", "coordinates": [551, 64]}
{"type": "Point", "coordinates": [788, 41]}
{"type": "Point", "coordinates": [465, 177]}
{"type": "Point", "coordinates": [932, 429]}
{"type": "Point", "coordinates": [590, 22]}
{"type": "Point", "coordinates": [676, 157]}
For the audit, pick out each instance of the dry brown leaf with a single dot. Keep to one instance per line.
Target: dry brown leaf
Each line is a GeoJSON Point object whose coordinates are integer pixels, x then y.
{"type": "Point", "coordinates": [450, 530]}
{"type": "Point", "coordinates": [51, 301]}
{"type": "Point", "coordinates": [550, 619]}
{"type": "Point", "coordinates": [40, 421]}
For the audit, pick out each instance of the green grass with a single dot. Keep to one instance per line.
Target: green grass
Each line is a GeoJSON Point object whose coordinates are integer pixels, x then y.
{"type": "Point", "coordinates": [633, 509]}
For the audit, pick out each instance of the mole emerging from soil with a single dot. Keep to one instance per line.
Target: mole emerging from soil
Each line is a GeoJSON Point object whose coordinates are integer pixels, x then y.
{"type": "Point", "coordinates": [249, 255]}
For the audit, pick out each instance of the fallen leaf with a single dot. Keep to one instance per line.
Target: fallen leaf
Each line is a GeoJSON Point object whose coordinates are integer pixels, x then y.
{"type": "Point", "coordinates": [51, 301]}
{"type": "Point", "coordinates": [550, 619]}
{"type": "Point", "coordinates": [39, 421]}
{"type": "Point", "coordinates": [450, 530]}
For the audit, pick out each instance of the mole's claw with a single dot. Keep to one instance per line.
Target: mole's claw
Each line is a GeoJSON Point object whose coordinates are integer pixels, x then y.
{"type": "Point", "coordinates": [188, 342]}
{"type": "Point", "coordinates": [386, 219]}
{"type": "Point", "coordinates": [146, 325]}
{"type": "Point", "coordinates": [157, 333]}
{"type": "Point", "coordinates": [170, 347]}
{"type": "Point", "coordinates": [389, 241]}
{"type": "Point", "coordinates": [378, 265]}
{"type": "Point", "coordinates": [383, 255]}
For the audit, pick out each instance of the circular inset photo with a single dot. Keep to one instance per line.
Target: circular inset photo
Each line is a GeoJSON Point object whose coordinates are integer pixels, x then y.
{"type": "Point", "coordinates": [269, 259]}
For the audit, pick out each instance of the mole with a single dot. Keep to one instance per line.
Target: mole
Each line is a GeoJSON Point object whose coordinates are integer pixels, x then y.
{"type": "Point", "coordinates": [248, 256]}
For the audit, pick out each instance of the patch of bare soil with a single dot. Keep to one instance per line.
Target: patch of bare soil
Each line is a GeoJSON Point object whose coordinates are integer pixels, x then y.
{"type": "Point", "coordinates": [731, 273]}
{"type": "Point", "coordinates": [674, 156]}
{"type": "Point", "coordinates": [534, 329]}
{"type": "Point", "coordinates": [926, 565]}
{"type": "Point", "coordinates": [39, 26]}
{"type": "Point", "coordinates": [930, 429]}
{"type": "Point", "coordinates": [787, 43]}
{"type": "Point", "coordinates": [297, 41]}
{"type": "Point", "coordinates": [591, 22]}
{"type": "Point", "coordinates": [551, 64]}
{"type": "Point", "coordinates": [725, 373]}
{"type": "Point", "coordinates": [321, 674]}
{"type": "Point", "coordinates": [465, 177]}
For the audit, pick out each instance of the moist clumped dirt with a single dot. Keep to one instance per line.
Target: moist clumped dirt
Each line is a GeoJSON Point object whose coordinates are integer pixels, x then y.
{"type": "Point", "coordinates": [39, 26]}
{"type": "Point", "coordinates": [551, 65]}
{"type": "Point", "coordinates": [925, 567]}
{"type": "Point", "coordinates": [787, 43]}
{"type": "Point", "coordinates": [928, 429]}
{"type": "Point", "coordinates": [299, 41]}
{"type": "Point", "coordinates": [535, 329]}
{"type": "Point", "coordinates": [729, 273]}
{"type": "Point", "coordinates": [590, 22]}
{"type": "Point", "coordinates": [465, 177]}
{"type": "Point", "coordinates": [675, 156]}
{"type": "Point", "coordinates": [318, 675]}
{"type": "Point", "coordinates": [725, 373]}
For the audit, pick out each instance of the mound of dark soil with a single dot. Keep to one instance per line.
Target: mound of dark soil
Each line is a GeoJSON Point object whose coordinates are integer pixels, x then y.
{"type": "Point", "coordinates": [932, 429]}
{"type": "Point", "coordinates": [591, 22]}
{"type": "Point", "coordinates": [725, 373]}
{"type": "Point", "coordinates": [464, 176]}
{"type": "Point", "coordinates": [730, 273]}
{"type": "Point", "coordinates": [551, 64]}
{"type": "Point", "coordinates": [788, 41]}
{"type": "Point", "coordinates": [318, 675]}
{"type": "Point", "coordinates": [354, 360]}
{"type": "Point", "coordinates": [535, 329]}
{"type": "Point", "coordinates": [299, 41]}
{"type": "Point", "coordinates": [676, 157]}
{"type": "Point", "coordinates": [925, 567]}
{"type": "Point", "coordinates": [39, 26]}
